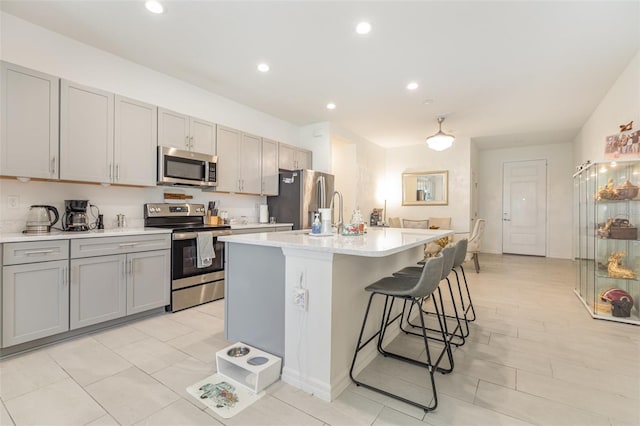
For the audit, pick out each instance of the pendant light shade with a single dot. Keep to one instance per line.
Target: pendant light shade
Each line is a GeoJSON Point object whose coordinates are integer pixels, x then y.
{"type": "Point", "coordinates": [440, 141]}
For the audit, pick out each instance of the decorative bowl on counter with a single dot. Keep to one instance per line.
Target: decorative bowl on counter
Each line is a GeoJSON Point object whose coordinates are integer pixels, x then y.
{"type": "Point", "coordinates": [350, 229]}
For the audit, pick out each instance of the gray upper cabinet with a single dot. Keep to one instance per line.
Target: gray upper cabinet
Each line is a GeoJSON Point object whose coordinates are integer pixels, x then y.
{"type": "Point", "coordinates": [187, 133]}
{"type": "Point", "coordinates": [228, 148]}
{"type": "Point", "coordinates": [136, 138]}
{"type": "Point", "coordinates": [294, 158]}
{"type": "Point", "coordinates": [250, 164]}
{"type": "Point", "coordinates": [28, 123]}
{"type": "Point", "coordinates": [86, 133]}
{"type": "Point", "coordinates": [239, 161]}
{"type": "Point", "coordinates": [269, 167]}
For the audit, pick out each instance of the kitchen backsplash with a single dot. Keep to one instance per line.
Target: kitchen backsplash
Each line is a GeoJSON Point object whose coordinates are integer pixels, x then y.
{"type": "Point", "coordinates": [111, 200]}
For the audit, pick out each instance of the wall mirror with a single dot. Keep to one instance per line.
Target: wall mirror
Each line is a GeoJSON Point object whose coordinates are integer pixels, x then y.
{"type": "Point", "coordinates": [425, 188]}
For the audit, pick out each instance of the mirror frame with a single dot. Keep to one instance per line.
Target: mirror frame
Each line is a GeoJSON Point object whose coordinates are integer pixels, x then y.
{"type": "Point", "coordinates": [413, 202]}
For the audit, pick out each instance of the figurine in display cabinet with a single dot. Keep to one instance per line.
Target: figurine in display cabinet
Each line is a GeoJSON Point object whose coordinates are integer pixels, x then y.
{"type": "Point", "coordinates": [616, 270]}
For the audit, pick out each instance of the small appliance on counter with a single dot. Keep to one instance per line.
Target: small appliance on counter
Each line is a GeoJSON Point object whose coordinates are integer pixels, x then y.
{"type": "Point", "coordinates": [75, 216]}
{"type": "Point", "coordinates": [39, 220]}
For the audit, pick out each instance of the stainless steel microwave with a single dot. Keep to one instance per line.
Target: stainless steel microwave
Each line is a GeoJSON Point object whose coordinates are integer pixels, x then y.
{"type": "Point", "coordinates": [178, 167]}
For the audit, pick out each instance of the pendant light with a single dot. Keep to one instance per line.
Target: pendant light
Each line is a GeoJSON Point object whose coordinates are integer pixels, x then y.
{"type": "Point", "coordinates": [440, 141]}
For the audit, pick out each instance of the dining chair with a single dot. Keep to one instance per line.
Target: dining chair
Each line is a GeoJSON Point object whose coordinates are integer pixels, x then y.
{"type": "Point", "coordinates": [416, 224]}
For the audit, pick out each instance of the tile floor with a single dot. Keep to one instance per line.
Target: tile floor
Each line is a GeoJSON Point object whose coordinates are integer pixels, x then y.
{"type": "Point", "coordinates": [534, 357]}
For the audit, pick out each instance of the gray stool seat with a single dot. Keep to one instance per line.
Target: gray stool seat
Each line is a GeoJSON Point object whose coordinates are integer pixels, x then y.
{"type": "Point", "coordinates": [450, 255]}
{"type": "Point", "coordinates": [395, 286]}
{"type": "Point", "coordinates": [411, 271]}
{"type": "Point", "coordinates": [410, 290]}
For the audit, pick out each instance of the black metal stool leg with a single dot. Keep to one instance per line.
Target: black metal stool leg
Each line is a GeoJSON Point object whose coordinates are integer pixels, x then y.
{"type": "Point", "coordinates": [470, 306]}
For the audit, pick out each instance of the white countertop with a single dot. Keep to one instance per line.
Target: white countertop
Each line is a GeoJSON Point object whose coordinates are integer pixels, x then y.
{"type": "Point", "coordinates": [18, 237]}
{"type": "Point", "coordinates": [377, 242]}
{"type": "Point", "coordinates": [258, 225]}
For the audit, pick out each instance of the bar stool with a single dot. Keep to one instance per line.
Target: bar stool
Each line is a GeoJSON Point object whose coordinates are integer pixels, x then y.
{"type": "Point", "coordinates": [461, 254]}
{"type": "Point", "coordinates": [410, 290]}
{"type": "Point", "coordinates": [448, 253]}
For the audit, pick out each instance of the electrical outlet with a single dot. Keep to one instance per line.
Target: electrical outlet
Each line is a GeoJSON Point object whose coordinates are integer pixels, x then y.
{"type": "Point", "coordinates": [13, 201]}
{"type": "Point", "coordinates": [301, 298]}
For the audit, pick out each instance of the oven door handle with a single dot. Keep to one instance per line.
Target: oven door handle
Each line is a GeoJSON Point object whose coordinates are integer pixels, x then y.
{"type": "Point", "coordinates": [193, 235]}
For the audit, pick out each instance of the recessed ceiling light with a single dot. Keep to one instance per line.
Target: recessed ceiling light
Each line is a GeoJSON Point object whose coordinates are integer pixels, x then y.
{"type": "Point", "coordinates": [263, 67]}
{"type": "Point", "coordinates": [412, 86]}
{"type": "Point", "coordinates": [363, 28]}
{"type": "Point", "coordinates": [154, 6]}
{"type": "Point", "coordinates": [331, 105]}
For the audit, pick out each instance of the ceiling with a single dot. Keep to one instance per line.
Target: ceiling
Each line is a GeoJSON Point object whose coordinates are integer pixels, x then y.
{"type": "Point", "coordinates": [503, 72]}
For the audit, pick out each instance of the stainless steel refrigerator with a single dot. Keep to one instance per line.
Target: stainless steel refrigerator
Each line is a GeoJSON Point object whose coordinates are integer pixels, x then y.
{"type": "Point", "coordinates": [301, 194]}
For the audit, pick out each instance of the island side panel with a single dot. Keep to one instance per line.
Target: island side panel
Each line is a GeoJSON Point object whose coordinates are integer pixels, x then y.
{"type": "Point", "coordinates": [254, 296]}
{"type": "Point", "coordinates": [320, 341]}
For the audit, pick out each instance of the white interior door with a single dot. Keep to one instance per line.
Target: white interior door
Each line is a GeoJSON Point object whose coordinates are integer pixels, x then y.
{"type": "Point", "coordinates": [524, 203]}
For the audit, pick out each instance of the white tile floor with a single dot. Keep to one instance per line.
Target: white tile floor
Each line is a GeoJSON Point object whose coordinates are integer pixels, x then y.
{"type": "Point", "coordinates": [534, 357]}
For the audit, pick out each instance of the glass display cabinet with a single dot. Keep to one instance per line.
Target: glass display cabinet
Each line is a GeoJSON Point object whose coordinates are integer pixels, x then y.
{"type": "Point", "coordinates": [608, 248]}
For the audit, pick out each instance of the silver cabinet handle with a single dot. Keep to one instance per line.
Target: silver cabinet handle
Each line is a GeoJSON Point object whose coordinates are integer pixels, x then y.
{"type": "Point", "coordinates": [124, 268]}
{"type": "Point", "coordinates": [117, 171]}
{"type": "Point", "coordinates": [53, 165]}
{"type": "Point", "coordinates": [186, 141]}
{"type": "Point", "coordinates": [130, 266]}
{"type": "Point", "coordinates": [28, 253]}
{"type": "Point", "coordinates": [127, 244]}
{"type": "Point", "coordinates": [191, 142]}
{"type": "Point", "coordinates": [65, 276]}
{"type": "Point", "coordinates": [506, 220]}
{"type": "Point", "coordinates": [110, 170]}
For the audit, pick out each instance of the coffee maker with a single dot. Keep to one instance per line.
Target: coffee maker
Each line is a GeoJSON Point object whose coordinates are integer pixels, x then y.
{"type": "Point", "coordinates": [75, 215]}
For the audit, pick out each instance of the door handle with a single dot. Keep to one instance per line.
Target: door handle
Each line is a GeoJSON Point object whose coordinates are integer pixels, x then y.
{"type": "Point", "coordinates": [53, 165]}
{"type": "Point", "coordinates": [506, 220]}
{"type": "Point", "coordinates": [117, 172]}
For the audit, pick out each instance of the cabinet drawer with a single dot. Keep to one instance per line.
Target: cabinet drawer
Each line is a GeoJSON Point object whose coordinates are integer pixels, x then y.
{"type": "Point", "coordinates": [87, 247]}
{"type": "Point", "coordinates": [34, 251]}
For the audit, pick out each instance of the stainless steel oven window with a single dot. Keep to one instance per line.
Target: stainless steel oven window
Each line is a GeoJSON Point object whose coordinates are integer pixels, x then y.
{"type": "Point", "coordinates": [185, 259]}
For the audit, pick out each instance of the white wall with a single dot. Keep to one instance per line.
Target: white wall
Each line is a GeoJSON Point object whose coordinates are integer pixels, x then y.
{"type": "Point", "coordinates": [359, 167]}
{"type": "Point", "coordinates": [559, 189]}
{"type": "Point", "coordinates": [620, 105]}
{"type": "Point", "coordinates": [418, 158]}
{"type": "Point", "coordinates": [317, 138]}
{"type": "Point", "coordinates": [34, 47]}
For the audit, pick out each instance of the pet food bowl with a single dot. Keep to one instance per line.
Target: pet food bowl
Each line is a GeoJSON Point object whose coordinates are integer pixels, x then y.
{"type": "Point", "coordinates": [238, 351]}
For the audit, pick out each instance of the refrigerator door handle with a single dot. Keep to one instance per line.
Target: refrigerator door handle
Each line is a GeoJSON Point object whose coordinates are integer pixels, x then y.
{"type": "Point", "coordinates": [322, 193]}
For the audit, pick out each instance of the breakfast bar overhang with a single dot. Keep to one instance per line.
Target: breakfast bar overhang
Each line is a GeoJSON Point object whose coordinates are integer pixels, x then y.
{"type": "Point", "coordinates": [266, 273]}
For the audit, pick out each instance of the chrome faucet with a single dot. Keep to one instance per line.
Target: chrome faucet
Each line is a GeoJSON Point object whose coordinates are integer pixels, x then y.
{"type": "Point", "coordinates": [340, 221]}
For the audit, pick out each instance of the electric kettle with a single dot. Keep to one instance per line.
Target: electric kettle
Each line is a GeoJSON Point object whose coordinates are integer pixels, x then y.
{"type": "Point", "coordinates": [39, 220]}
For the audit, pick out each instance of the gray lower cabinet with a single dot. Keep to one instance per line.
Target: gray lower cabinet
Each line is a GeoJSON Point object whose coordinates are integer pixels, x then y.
{"type": "Point", "coordinates": [116, 276]}
{"type": "Point", "coordinates": [35, 301]}
{"type": "Point", "coordinates": [98, 290]}
{"type": "Point", "coordinates": [148, 280]}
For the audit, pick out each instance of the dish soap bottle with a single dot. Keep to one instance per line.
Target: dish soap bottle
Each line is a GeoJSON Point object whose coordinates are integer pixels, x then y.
{"type": "Point", "coordinates": [316, 226]}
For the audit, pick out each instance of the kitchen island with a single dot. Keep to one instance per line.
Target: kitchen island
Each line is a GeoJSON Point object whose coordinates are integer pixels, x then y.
{"type": "Point", "coordinates": [267, 272]}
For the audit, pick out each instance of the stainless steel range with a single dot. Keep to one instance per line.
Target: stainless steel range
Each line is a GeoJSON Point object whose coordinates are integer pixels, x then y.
{"type": "Point", "coordinates": [191, 285]}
